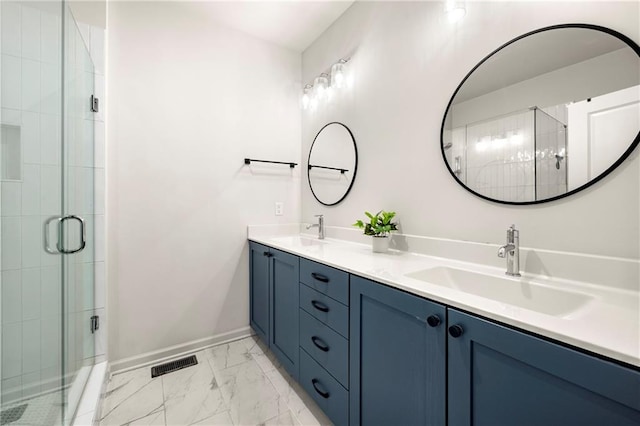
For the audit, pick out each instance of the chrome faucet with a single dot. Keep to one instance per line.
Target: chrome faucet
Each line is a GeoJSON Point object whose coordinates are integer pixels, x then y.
{"type": "Point", "coordinates": [511, 251]}
{"type": "Point", "coordinates": [319, 225]}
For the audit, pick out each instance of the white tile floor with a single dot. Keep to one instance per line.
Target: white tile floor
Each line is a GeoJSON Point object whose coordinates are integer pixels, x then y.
{"type": "Point", "coordinates": [239, 383]}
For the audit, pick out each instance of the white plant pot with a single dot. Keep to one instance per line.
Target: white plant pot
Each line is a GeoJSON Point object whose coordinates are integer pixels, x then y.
{"type": "Point", "coordinates": [380, 244]}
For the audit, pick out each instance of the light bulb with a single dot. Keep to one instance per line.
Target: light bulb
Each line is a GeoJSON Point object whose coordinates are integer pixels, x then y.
{"type": "Point", "coordinates": [455, 10]}
{"type": "Point", "coordinates": [338, 78]}
{"type": "Point", "coordinates": [306, 96]}
{"type": "Point", "coordinates": [320, 85]}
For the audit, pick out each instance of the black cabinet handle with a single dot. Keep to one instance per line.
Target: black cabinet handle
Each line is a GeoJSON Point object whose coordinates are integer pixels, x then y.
{"type": "Point", "coordinates": [323, 394]}
{"type": "Point", "coordinates": [434, 321]}
{"type": "Point", "coordinates": [320, 344]}
{"type": "Point", "coordinates": [266, 253]}
{"type": "Point", "coordinates": [320, 277]}
{"type": "Point", "coordinates": [320, 306]}
{"type": "Point", "coordinates": [455, 331]}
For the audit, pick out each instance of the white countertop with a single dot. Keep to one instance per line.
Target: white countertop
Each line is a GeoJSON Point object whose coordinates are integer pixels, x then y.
{"type": "Point", "coordinates": [609, 324]}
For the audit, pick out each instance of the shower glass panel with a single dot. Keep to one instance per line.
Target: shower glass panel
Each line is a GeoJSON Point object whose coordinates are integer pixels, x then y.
{"type": "Point", "coordinates": [78, 200]}
{"type": "Point", "coordinates": [551, 154]}
{"type": "Point", "coordinates": [46, 174]}
{"type": "Point", "coordinates": [78, 204]}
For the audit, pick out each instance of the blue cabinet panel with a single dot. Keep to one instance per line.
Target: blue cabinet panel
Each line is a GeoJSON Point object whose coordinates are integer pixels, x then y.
{"type": "Point", "coordinates": [327, 347]}
{"type": "Point", "coordinates": [284, 274]}
{"type": "Point", "coordinates": [330, 396]}
{"type": "Point", "coordinates": [325, 279]}
{"type": "Point", "coordinates": [329, 311]}
{"type": "Point", "coordinates": [397, 360]}
{"type": "Point", "coordinates": [500, 376]}
{"type": "Point", "coordinates": [259, 290]}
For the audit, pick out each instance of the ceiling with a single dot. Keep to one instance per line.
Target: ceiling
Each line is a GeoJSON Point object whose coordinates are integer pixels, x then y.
{"type": "Point", "coordinates": [292, 24]}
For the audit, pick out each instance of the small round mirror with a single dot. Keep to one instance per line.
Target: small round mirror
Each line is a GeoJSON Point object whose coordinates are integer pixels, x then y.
{"type": "Point", "coordinates": [546, 115]}
{"type": "Point", "coordinates": [332, 165]}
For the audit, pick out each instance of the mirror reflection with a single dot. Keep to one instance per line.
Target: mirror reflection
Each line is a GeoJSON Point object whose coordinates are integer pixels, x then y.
{"type": "Point", "coordinates": [333, 160]}
{"type": "Point", "coordinates": [545, 115]}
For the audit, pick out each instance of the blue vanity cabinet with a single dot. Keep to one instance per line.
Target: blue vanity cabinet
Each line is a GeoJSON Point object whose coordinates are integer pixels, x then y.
{"type": "Point", "coordinates": [501, 376]}
{"type": "Point", "coordinates": [285, 277]}
{"type": "Point", "coordinates": [324, 338]}
{"type": "Point", "coordinates": [274, 293]}
{"type": "Point", "coordinates": [397, 357]}
{"type": "Point", "coordinates": [259, 259]}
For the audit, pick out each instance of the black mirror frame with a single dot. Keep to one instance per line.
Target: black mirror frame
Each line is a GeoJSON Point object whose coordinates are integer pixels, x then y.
{"type": "Point", "coordinates": [623, 157]}
{"type": "Point", "coordinates": [355, 166]}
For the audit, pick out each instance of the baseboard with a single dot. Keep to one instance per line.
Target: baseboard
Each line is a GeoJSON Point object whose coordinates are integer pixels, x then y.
{"type": "Point", "coordinates": [166, 354]}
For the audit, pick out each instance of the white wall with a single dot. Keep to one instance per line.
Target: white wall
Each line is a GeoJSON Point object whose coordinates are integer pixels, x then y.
{"type": "Point", "coordinates": [407, 61]}
{"type": "Point", "coordinates": [188, 100]}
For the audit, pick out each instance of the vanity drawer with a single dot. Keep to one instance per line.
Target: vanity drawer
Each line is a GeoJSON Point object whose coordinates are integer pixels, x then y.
{"type": "Point", "coordinates": [325, 309]}
{"type": "Point", "coordinates": [330, 281]}
{"type": "Point", "coordinates": [327, 347]}
{"type": "Point", "coordinates": [332, 398]}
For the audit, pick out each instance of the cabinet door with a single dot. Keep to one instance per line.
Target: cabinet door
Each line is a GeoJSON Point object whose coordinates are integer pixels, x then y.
{"type": "Point", "coordinates": [499, 376]}
{"type": "Point", "coordinates": [259, 290]}
{"type": "Point", "coordinates": [285, 275]}
{"type": "Point", "coordinates": [397, 368]}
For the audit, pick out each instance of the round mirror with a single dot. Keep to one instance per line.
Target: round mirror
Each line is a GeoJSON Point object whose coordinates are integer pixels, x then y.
{"type": "Point", "coordinates": [333, 161]}
{"type": "Point", "coordinates": [545, 115]}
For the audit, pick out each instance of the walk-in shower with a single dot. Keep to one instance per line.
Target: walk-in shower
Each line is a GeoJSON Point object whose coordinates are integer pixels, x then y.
{"type": "Point", "coordinates": [47, 212]}
{"type": "Point", "coordinates": [516, 157]}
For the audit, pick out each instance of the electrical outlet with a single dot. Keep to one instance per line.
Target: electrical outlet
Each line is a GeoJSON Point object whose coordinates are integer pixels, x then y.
{"type": "Point", "coordinates": [279, 208]}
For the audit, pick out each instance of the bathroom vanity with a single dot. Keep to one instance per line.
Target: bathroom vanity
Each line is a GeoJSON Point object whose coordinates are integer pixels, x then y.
{"type": "Point", "coordinates": [373, 341]}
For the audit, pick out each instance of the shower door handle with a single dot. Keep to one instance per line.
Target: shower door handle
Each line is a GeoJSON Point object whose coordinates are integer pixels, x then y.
{"type": "Point", "coordinates": [83, 234]}
{"type": "Point", "coordinates": [47, 245]}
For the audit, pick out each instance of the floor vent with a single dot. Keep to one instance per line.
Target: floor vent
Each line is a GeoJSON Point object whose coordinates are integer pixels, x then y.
{"type": "Point", "coordinates": [12, 414]}
{"type": "Point", "coordinates": [178, 364]}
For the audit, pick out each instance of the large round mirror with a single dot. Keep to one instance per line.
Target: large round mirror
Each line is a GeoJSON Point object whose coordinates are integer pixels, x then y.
{"type": "Point", "coordinates": [545, 115]}
{"type": "Point", "coordinates": [333, 161]}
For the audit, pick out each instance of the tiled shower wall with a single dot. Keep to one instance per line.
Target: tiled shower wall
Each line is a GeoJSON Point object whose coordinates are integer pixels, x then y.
{"type": "Point", "coordinates": [30, 278]}
{"type": "Point", "coordinates": [500, 157]}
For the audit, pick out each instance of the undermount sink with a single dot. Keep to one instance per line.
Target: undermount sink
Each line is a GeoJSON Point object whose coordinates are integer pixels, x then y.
{"type": "Point", "coordinates": [299, 241]}
{"type": "Point", "coordinates": [512, 291]}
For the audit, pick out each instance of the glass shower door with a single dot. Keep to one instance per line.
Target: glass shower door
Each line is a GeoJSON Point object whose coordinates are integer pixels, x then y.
{"type": "Point", "coordinates": [31, 284]}
{"type": "Point", "coordinates": [46, 202]}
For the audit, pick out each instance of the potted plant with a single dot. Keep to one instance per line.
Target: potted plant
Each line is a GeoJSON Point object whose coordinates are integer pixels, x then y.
{"type": "Point", "coordinates": [379, 227]}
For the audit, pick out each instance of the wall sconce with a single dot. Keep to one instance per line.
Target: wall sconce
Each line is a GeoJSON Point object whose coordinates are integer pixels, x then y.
{"type": "Point", "coordinates": [324, 85]}
{"type": "Point", "coordinates": [338, 77]}
{"type": "Point", "coordinates": [306, 96]}
{"type": "Point", "coordinates": [320, 86]}
{"type": "Point", "coordinates": [455, 10]}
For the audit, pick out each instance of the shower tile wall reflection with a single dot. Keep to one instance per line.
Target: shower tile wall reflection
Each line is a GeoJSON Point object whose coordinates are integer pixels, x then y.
{"type": "Point", "coordinates": [500, 157]}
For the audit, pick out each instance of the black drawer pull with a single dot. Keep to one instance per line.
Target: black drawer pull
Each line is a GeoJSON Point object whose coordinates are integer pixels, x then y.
{"type": "Point", "coordinates": [320, 277]}
{"type": "Point", "coordinates": [320, 344]}
{"type": "Point", "coordinates": [320, 306]}
{"type": "Point", "coordinates": [266, 253]}
{"type": "Point", "coordinates": [323, 394]}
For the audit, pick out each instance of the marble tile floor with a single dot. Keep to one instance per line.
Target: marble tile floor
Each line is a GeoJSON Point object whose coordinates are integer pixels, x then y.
{"type": "Point", "coordinates": [239, 383]}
